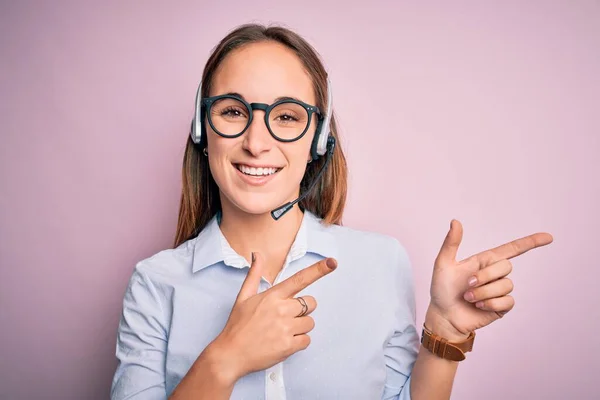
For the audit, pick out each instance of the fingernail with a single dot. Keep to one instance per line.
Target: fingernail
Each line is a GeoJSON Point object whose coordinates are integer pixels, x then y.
{"type": "Point", "coordinates": [253, 257]}
{"type": "Point", "coordinates": [472, 281]}
{"type": "Point", "coordinates": [479, 304]}
{"type": "Point", "coordinates": [331, 263]}
{"type": "Point", "coordinates": [469, 296]}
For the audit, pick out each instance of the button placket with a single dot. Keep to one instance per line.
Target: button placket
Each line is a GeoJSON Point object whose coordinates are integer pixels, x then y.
{"type": "Point", "coordinates": [275, 388]}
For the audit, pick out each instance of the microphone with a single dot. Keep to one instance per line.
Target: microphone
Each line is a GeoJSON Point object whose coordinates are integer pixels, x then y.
{"type": "Point", "coordinates": [281, 210]}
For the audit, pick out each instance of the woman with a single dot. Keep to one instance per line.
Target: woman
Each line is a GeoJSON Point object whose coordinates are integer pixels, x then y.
{"type": "Point", "coordinates": [201, 321]}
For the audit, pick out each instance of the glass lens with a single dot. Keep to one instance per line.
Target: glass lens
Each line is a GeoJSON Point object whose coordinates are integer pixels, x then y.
{"type": "Point", "coordinates": [288, 120]}
{"type": "Point", "coordinates": [229, 116]}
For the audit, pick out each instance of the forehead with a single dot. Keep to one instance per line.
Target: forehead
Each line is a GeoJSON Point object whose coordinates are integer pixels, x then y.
{"type": "Point", "coordinates": [262, 72]}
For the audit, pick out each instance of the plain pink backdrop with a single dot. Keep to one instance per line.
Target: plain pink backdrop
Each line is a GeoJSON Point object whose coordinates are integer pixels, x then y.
{"type": "Point", "coordinates": [488, 112]}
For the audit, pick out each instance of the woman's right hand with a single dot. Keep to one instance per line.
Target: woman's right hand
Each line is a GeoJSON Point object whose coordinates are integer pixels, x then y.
{"type": "Point", "coordinates": [264, 329]}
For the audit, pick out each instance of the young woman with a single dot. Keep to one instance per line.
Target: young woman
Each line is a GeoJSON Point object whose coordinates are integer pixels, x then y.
{"type": "Point", "coordinates": [227, 313]}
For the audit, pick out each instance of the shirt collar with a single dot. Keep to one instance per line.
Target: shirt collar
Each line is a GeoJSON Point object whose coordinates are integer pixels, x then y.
{"type": "Point", "coordinates": [212, 247]}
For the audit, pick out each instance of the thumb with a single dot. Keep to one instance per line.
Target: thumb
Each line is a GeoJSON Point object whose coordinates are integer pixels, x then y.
{"type": "Point", "coordinates": [451, 243]}
{"type": "Point", "coordinates": [252, 282]}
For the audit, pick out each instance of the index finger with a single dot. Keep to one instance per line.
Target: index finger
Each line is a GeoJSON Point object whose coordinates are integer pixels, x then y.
{"type": "Point", "coordinates": [520, 246]}
{"type": "Point", "coordinates": [302, 279]}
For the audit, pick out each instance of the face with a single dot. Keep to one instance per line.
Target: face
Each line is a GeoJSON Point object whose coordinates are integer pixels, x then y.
{"type": "Point", "coordinates": [261, 73]}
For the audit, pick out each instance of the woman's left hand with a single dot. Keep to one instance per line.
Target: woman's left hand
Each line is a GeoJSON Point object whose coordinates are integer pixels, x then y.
{"type": "Point", "coordinates": [470, 294]}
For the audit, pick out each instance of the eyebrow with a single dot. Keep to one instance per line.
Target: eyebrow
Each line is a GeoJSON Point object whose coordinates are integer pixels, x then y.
{"type": "Point", "coordinates": [276, 100]}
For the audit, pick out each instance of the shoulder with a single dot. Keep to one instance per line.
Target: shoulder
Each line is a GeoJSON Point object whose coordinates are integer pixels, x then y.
{"type": "Point", "coordinates": [376, 245]}
{"type": "Point", "coordinates": [154, 280]}
{"type": "Point", "coordinates": [382, 254]}
{"type": "Point", "coordinates": [377, 263]}
{"type": "Point", "coordinates": [166, 267]}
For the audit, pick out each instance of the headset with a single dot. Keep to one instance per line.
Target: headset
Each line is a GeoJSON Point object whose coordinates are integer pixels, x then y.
{"type": "Point", "coordinates": [323, 142]}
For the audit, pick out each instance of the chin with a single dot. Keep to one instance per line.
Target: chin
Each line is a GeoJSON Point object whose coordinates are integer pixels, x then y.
{"type": "Point", "coordinates": [256, 203]}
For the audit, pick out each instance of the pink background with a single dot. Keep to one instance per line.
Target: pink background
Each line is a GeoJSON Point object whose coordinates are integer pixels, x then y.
{"type": "Point", "coordinates": [488, 112]}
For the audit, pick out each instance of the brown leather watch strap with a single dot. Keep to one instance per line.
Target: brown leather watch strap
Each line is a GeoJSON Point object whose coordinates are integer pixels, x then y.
{"type": "Point", "coordinates": [441, 347]}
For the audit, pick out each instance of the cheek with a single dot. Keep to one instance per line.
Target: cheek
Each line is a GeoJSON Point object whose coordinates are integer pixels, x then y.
{"type": "Point", "coordinates": [218, 149]}
{"type": "Point", "coordinates": [296, 172]}
{"type": "Point", "coordinates": [297, 158]}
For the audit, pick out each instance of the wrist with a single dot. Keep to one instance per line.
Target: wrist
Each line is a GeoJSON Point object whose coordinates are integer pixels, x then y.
{"type": "Point", "coordinates": [216, 360]}
{"type": "Point", "coordinates": [440, 325]}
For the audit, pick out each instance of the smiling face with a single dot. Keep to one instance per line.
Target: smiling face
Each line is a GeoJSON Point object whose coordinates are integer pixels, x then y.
{"type": "Point", "coordinates": [260, 73]}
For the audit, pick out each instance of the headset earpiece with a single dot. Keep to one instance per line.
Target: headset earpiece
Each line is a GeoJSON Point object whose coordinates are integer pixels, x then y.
{"type": "Point", "coordinates": [196, 131]}
{"type": "Point", "coordinates": [319, 144]}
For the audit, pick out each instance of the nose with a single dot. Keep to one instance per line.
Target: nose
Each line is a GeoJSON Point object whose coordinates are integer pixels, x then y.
{"type": "Point", "coordinates": [257, 138]}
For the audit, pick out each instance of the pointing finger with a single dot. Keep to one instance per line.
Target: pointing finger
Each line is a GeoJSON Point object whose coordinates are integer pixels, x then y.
{"type": "Point", "coordinates": [518, 246]}
{"type": "Point", "coordinates": [252, 282]}
{"type": "Point", "coordinates": [302, 279]}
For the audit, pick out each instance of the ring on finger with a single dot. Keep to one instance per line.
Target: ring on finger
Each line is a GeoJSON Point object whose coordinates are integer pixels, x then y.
{"type": "Point", "coordinates": [304, 307]}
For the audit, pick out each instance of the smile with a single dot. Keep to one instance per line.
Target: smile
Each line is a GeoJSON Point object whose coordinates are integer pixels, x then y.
{"type": "Point", "coordinates": [256, 171]}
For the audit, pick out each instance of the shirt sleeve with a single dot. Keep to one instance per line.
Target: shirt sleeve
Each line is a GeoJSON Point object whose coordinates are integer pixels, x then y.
{"type": "Point", "coordinates": [141, 343]}
{"type": "Point", "coordinates": [402, 348]}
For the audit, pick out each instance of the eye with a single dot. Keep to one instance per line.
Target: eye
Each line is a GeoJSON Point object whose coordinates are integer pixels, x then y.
{"type": "Point", "coordinates": [231, 112]}
{"type": "Point", "coordinates": [289, 114]}
{"type": "Point", "coordinates": [287, 118]}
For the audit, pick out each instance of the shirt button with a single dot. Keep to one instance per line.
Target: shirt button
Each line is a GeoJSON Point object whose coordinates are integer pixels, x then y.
{"type": "Point", "coordinates": [273, 376]}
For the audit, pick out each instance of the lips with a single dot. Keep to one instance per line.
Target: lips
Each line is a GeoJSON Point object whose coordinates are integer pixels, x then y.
{"type": "Point", "coordinates": [255, 175]}
{"type": "Point", "coordinates": [257, 170]}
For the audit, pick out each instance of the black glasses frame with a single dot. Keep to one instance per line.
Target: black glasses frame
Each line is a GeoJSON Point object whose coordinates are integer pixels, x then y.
{"type": "Point", "coordinates": [208, 102]}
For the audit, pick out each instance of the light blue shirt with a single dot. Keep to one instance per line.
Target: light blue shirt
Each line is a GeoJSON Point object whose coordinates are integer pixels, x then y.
{"type": "Point", "coordinates": [363, 346]}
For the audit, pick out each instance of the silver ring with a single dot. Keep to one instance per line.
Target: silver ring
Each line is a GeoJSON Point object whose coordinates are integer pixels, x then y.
{"type": "Point", "coordinates": [304, 307]}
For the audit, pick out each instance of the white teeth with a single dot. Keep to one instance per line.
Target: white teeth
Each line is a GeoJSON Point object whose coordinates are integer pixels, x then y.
{"type": "Point", "coordinates": [260, 171]}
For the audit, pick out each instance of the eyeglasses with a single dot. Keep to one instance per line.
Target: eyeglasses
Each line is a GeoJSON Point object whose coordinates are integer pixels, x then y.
{"type": "Point", "coordinates": [287, 119]}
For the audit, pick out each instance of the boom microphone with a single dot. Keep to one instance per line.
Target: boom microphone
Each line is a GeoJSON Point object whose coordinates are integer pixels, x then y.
{"type": "Point", "coordinates": [281, 210]}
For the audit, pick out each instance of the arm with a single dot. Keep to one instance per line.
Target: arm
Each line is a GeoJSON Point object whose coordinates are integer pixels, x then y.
{"type": "Point", "coordinates": [208, 378]}
{"type": "Point", "coordinates": [245, 345]}
{"type": "Point", "coordinates": [402, 348]}
{"type": "Point", "coordinates": [465, 295]}
{"type": "Point", "coordinates": [248, 335]}
{"type": "Point", "coordinates": [432, 377]}
{"type": "Point", "coordinates": [141, 349]}
{"type": "Point", "coordinates": [141, 343]}
{"type": "Point", "coordinates": [428, 377]}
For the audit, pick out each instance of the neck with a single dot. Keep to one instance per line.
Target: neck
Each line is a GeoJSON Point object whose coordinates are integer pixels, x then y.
{"type": "Point", "coordinates": [247, 233]}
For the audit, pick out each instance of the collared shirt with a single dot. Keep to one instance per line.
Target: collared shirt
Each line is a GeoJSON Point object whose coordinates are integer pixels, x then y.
{"type": "Point", "coordinates": [363, 346]}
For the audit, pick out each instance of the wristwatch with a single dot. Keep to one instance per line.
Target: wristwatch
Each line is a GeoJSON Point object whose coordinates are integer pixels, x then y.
{"type": "Point", "coordinates": [453, 351]}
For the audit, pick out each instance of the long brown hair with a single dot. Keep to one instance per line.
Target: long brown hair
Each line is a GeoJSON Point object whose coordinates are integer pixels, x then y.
{"type": "Point", "coordinates": [200, 199]}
